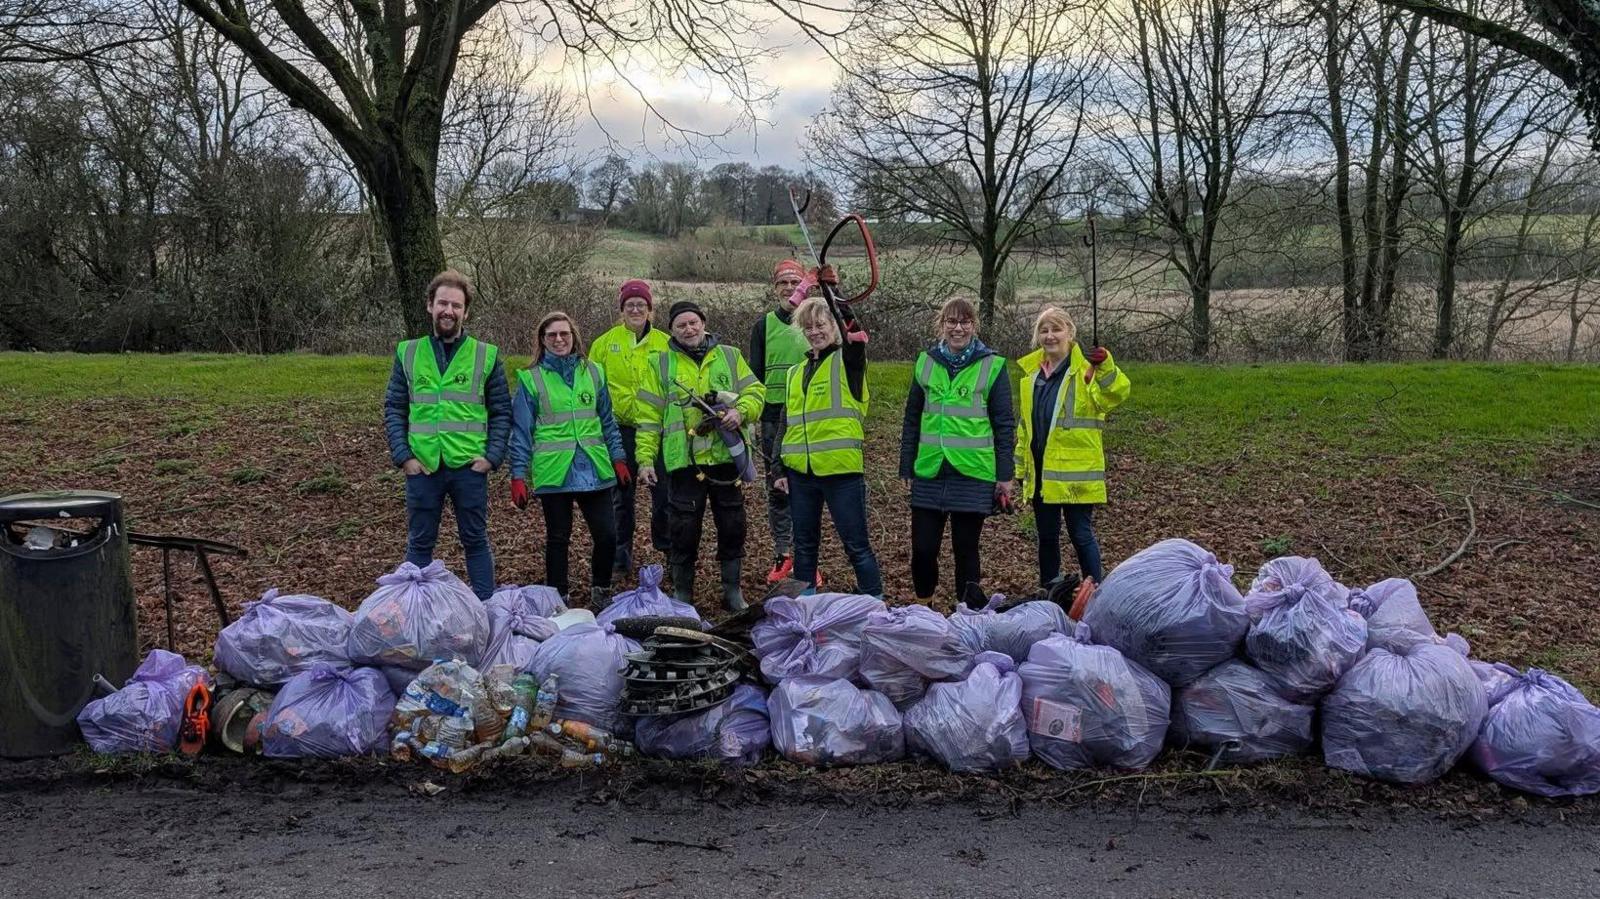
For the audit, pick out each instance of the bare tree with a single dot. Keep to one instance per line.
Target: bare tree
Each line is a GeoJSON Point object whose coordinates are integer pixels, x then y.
{"type": "Point", "coordinates": [377, 77]}
{"type": "Point", "coordinates": [963, 113]}
{"type": "Point", "coordinates": [1481, 105]}
{"type": "Point", "coordinates": [1196, 104]}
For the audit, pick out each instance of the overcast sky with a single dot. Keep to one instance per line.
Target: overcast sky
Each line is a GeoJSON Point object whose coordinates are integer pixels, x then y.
{"type": "Point", "coordinates": [801, 74]}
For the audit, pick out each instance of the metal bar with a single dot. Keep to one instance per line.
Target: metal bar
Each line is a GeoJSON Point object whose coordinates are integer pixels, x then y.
{"type": "Point", "coordinates": [166, 589]}
{"type": "Point", "coordinates": [211, 582]}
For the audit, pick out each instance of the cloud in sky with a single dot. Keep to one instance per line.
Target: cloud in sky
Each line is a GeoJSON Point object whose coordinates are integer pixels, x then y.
{"type": "Point", "coordinates": [618, 115]}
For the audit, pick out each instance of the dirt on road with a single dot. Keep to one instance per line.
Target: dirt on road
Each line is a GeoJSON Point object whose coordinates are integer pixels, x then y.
{"type": "Point", "coordinates": [271, 835]}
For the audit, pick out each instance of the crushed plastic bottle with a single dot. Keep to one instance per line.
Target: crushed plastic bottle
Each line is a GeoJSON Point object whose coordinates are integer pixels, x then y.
{"type": "Point", "coordinates": [545, 699]}
{"type": "Point", "coordinates": [571, 758]}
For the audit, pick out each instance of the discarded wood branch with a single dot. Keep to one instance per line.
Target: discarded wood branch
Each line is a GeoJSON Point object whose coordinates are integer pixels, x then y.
{"type": "Point", "coordinates": [1472, 534]}
{"type": "Point", "coordinates": [709, 847]}
{"type": "Point", "coordinates": [1561, 498]}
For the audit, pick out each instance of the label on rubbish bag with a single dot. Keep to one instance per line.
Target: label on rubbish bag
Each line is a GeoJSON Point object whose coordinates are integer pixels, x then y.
{"type": "Point", "coordinates": [1056, 720]}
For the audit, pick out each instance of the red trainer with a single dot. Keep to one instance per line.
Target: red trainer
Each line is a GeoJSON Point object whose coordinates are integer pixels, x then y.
{"type": "Point", "coordinates": [781, 569]}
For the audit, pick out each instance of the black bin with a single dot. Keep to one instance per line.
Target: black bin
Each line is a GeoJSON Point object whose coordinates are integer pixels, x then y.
{"type": "Point", "coordinates": [66, 614]}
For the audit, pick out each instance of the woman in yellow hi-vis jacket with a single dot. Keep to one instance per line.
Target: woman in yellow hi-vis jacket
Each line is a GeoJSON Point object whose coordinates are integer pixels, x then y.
{"type": "Point", "coordinates": [822, 462]}
{"type": "Point", "coordinates": [1060, 458]}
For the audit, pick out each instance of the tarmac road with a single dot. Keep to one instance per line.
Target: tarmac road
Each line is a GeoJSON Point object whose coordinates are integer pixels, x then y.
{"type": "Point", "coordinates": [353, 842]}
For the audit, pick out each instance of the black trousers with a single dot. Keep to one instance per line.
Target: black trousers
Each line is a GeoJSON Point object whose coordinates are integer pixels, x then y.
{"type": "Point", "coordinates": [624, 507]}
{"type": "Point", "coordinates": [598, 515]}
{"type": "Point", "coordinates": [927, 538]}
{"type": "Point", "coordinates": [687, 498]}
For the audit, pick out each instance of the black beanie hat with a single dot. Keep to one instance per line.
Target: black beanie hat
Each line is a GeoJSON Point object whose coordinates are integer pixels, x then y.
{"type": "Point", "coordinates": [680, 308]}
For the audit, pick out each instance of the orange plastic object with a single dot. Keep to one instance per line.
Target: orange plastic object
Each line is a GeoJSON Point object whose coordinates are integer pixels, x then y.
{"type": "Point", "coordinates": [196, 720]}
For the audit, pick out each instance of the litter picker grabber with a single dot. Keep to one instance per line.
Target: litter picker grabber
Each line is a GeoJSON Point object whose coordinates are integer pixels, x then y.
{"type": "Point", "coordinates": [1092, 241]}
{"type": "Point", "coordinates": [711, 408]}
{"type": "Point", "coordinates": [837, 304]}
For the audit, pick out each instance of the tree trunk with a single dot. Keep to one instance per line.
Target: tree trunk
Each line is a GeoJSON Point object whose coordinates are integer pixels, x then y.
{"type": "Point", "coordinates": [1445, 295]}
{"type": "Point", "coordinates": [988, 278]}
{"type": "Point", "coordinates": [1200, 298]}
{"type": "Point", "coordinates": [410, 216]}
{"type": "Point", "coordinates": [1349, 287]}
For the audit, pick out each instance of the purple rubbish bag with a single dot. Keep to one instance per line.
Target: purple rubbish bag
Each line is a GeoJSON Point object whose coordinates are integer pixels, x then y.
{"type": "Point", "coordinates": [1497, 679]}
{"type": "Point", "coordinates": [903, 648]}
{"type": "Point", "coordinates": [829, 721]}
{"type": "Point", "coordinates": [535, 599]}
{"type": "Point", "coordinates": [735, 731]}
{"type": "Point", "coordinates": [1090, 706]}
{"type": "Point", "coordinates": [147, 713]}
{"type": "Point", "coordinates": [1405, 713]}
{"type": "Point", "coordinates": [645, 600]}
{"type": "Point", "coordinates": [1302, 632]}
{"type": "Point", "coordinates": [588, 660]}
{"type": "Point", "coordinates": [1172, 608]}
{"type": "Point", "coordinates": [1013, 631]}
{"type": "Point", "coordinates": [519, 620]}
{"type": "Point", "coordinates": [329, 713]}
{"type": "Point", "coordinates": [418, 616]}
{"type": "Point", "coordinates": [1238, 709]}
{"type": "Point", "coordinates": [1542, 737]}
{"type": "Point", "coordinates": [1393, 612]}
{"type": "Point", "coordinates": [279, 636]}
{"type": "Point", "coordinates": [974, 724]}
{"type": "Point", "coordinates": [816, 635]}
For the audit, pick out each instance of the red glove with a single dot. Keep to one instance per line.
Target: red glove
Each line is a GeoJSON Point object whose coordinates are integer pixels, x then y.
{"type": "Point", "coordinates": [1097, 355]}
{"type": "Point", "coordinates": [826, 275]}
{"type": "Point", "coordinates": [519, 493]}
{"type": "Point", "coordinates": [624, 476]}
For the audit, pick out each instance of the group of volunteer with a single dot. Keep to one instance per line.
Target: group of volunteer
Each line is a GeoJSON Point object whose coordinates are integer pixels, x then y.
{"type": "Point", "coordinates": [674, 410]}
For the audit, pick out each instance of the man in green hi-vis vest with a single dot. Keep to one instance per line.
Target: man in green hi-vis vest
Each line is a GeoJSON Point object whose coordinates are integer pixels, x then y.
{"type": "Point", "coordinates": [447, 415]}
{"type": "Point", "coordinates": [775, 347]}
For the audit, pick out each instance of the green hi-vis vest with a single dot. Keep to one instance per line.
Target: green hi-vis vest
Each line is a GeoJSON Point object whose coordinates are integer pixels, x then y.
{"type": "Point", "coordinates": [449, 417]}
{"type": "Point", "coordinates": [824, 431]}
{"type": "Point", "coordinates": [955, 418]}
{"type": "Point", "coordinates": [719, 371]}
{"type": "Point", "coordinates": [785, 348]}
{"type": "Point", "coordinates": [568, 420]}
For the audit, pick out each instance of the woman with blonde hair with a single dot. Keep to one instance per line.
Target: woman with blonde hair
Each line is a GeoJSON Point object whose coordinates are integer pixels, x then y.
{"type": "Point", "coordinates": [564, 436]}
{"type": "Point", "coordinates": [825, 403]}
{"type": "Point", "coordinates": [1059, 450]}
{"type": "Point", "coordinates": [955, 448]}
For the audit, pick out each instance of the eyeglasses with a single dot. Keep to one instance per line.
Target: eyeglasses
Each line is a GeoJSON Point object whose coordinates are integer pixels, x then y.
{"type": "Point", "coordinates": [558, 335]}
{"type": "Point", "coordinates": [958, 322]}
{"type": "Point", "coordinates": [636, 307]}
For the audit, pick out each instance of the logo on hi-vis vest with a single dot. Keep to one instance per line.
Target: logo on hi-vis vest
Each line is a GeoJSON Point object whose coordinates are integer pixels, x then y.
{"type": "Point", "coordinates": [616, 348]}
{"type": "Point", "coordinates": [963, 391]}
{"type": "Point", "coordinates": [586, 398]}
{"type": "Point", "coordinates": [720, 381]}
{"type": "Point", "coordinates": [461, 377]}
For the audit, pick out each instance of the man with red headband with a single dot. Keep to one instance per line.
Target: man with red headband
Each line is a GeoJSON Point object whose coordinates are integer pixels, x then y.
{"type": "Point", "coordinates": [776, 346]}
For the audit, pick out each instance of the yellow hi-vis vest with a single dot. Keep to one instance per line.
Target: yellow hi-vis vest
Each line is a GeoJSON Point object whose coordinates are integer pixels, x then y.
{"type": "Point", "coordinates": [449, 415]}
{"type": "Point", "coordinates": [666, 420]}
{"type": "Point", "coordinates": [824, 432]}
{"type": "Point", "coordinates": [622, 357]}
{"type": "Point", "coordinates": [568, 420]}
{"type": "Point", "coordinates": [955, 417]}
{"type": "Point", "coordinates": [1074, 465]}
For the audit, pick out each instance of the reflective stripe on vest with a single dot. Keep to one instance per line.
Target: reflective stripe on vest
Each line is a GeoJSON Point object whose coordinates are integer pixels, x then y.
{"type": "Point", "coordinates": [824, 432]}
{"type": "Point", "coordinates": [955, 426]}
{"type": "Point", "coordinates": [568, 420]}
{"type": "Point", "coordinates": [785, 348]}
{"type": "Point", "coordinates": [448, 418]}
{"type": "Point", "coordinates": [680, 446]}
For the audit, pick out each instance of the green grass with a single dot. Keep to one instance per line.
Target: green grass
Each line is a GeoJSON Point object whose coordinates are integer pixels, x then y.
{"type": "Point", "coordinates": [1399, 414]}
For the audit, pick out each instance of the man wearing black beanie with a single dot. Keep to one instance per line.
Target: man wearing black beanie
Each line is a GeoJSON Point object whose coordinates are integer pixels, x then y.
{"type": "Point", "coordinates": [701, 470]}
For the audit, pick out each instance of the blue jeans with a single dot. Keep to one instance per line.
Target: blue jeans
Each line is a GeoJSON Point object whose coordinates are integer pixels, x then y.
{"type": "Point", "coordinates": [1080, 529]}
{"type": "Point", "coordinates": [469, 496]}
{"type": "Point", "coordinates": [846, 498]}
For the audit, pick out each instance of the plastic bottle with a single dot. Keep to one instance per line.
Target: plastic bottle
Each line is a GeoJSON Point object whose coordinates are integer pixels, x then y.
{"type": "Point", "coordinates": [526, 690]}
{"type": "Point", "coordinates": [543, 744]}
{"type": "Point", "coordinates": [487, 725]}
{"type": "Point", "coordinates": [511, 747]}
{"type": "Point", "coordinates": [574, 759]}
{"type": "Point", "coordinates": [544, 705]}
{"type": "Point", "coordinates": [400, 749]}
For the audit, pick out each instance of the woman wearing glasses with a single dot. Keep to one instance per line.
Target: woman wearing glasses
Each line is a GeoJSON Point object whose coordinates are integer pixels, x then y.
{"type": "Point", "coordinates": [623, 353]}
{"type": "Point", "coordinates": [955, 448]}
